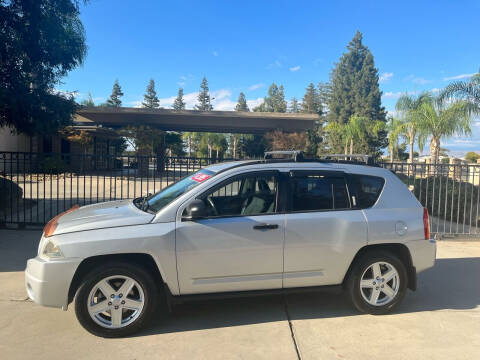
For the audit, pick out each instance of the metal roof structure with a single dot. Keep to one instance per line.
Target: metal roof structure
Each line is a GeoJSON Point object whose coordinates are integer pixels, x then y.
{"type": "Point", "coordinates": [193, 120]}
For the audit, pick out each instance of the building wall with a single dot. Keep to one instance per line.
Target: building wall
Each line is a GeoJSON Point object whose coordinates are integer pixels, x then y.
{"type": "Point", "coordinates": [13, 142]}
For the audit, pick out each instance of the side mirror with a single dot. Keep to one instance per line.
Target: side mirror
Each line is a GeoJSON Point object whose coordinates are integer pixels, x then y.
{"type": "Point", "coordinates": [195, 210]}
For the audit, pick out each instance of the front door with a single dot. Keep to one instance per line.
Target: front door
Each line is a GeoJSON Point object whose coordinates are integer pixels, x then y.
{"type": "Point", "coordinates": [239, 245]}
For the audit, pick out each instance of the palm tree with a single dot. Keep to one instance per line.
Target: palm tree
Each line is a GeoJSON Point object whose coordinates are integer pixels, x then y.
{"type": "Point", "coordinates": [438, 119]}
{"type": "Point", "coordinates": [465, 90]}
{"type": "Point", "coordinates": [395, 128]}
{"type": "Point", "coordinates": [406, 106]}
{"type": "Point", "coordinates": [354, 130]}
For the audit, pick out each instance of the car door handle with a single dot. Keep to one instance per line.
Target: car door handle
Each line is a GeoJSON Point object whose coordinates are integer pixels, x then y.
{"type": "Point", "coordinates": [265, 226]}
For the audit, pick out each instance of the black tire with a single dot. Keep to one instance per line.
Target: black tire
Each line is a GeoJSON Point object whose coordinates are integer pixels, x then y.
{"type": "Point", "coordinates": [137, 273]}
{"type": "Point", "coordinates": [360, 266]}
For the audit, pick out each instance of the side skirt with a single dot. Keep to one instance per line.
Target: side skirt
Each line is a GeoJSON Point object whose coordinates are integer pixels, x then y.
{"type": "Point", "coordinates": [179, 299]}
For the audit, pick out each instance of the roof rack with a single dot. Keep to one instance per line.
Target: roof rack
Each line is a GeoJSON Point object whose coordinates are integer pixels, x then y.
{"type": "Point", "coordinates": [295, 155]}
{"type": "Point", "coordinates": [298, 156]}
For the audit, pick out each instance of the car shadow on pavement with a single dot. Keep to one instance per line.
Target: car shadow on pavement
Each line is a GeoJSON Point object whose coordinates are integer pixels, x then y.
{"type": "Point", "coordinates": [452, 284]}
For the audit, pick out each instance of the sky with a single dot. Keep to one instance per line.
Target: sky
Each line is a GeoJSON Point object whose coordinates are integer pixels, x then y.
{"type": "Point", "coordinates": [244, 46]}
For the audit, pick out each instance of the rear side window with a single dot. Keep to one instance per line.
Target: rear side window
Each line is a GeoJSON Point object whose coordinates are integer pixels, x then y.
{"type": "Point", "coordinates": [368, 189]}
{"type": "Point", "coordinates": [312, 192]}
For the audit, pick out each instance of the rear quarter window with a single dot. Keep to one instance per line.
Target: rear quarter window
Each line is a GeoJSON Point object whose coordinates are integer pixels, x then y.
{"type": "Point", "coordinates": [367, 189]}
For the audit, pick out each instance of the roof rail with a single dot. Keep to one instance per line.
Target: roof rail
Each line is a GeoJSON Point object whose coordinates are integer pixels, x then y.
{"type": "Point", "coordinates": [295, 155]}
{"type": "Point", "coordinates": [367, 159]}
{"type": "Point", "coordinates": [298, 156]}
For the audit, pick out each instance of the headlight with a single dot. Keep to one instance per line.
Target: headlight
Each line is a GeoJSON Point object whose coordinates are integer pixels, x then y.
{"type": "Point", "coordinates": [51, 250]}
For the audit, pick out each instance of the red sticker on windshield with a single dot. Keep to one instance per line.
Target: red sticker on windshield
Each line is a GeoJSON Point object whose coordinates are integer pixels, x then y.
{"type": "Point", "coordinates": [200, 177]}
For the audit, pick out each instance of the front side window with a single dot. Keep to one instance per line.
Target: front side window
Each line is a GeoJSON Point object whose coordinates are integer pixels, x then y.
{"type": "Point", "coordinates": [317, 191]}
{"type": "Point", "coordinates": [245, 195]}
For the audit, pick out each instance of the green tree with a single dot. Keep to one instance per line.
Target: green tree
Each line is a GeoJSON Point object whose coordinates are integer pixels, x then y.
{"type": "Point", "coordinates": [465, 90]}
{"type": "Point", "coordinates": [472, 156]}
{"type": "Point", "coordinates": [114, 99]}
{"type": "Point", "coordinates": [354, 90]}
{"type": "Point", "coordinates": [150, 99]}
{"type": "Point", "coordinates": [174, 143]}
{"type": "Point", "coordinates": [241, 103]}
{"type": "Point", "coordinates": [88, 102]}
{"type": "Point", "coordinates": [204, 103]}
{"type": "Point", "coordinates": [439, 119]}
{"type": "Point", "coordinates": [311, 102]}
{"type": "Point", "coordinates": [253, 146]}
{"type": "Point", "coordinates": [294, 106]}
{"type": "Point", "coordinates": [235, 138]}
{"type": "Point", "coordinates": [274, 101]}
{"type": "Point", "coordinates": [395, 129]}
{"type": "Point", "coordinates": [179, 104]}
{"type": "Point", "coordinates": [40, 42]}
{"type": "Point", "coordinates": [407, 107]}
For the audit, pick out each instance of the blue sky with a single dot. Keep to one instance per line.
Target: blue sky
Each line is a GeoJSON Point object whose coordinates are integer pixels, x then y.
{"type": "Point", "coordinates": [245, 46]}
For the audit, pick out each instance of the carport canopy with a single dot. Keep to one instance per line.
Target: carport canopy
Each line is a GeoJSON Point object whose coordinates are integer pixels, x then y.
{"type": "Point", "coordinates": [193, 120]}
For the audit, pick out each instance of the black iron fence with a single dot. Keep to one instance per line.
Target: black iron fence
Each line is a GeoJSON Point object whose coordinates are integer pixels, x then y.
{"type": "Point", "coordinates": [34, 187]}
{"type": "Point", "coordinates": [449, 191]}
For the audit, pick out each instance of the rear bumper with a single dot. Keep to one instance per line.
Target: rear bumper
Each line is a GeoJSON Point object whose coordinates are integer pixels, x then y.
{"type": "Point", "coordinates": [423, 253]}
{"type": "Point", "coordinates": [47, 282]}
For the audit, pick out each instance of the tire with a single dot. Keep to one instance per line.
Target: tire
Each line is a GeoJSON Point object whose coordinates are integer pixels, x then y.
{"type": "Point", "coordinates": [364, 294]}
{"type": "Point", "coordinates": [144, 296]}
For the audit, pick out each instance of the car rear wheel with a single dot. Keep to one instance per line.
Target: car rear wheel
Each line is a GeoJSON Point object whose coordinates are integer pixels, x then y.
{"type": "Point", "coordinates": [377, 282]}
{"type": "Point", "coordinates": [116, 300]}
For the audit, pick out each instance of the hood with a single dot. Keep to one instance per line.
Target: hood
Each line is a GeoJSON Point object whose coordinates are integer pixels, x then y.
{"type": "Point", "coordinates": [102, 215]}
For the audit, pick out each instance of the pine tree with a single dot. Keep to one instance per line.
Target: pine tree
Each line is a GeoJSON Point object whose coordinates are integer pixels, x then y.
{"type": "Point", "coordinates": [311, 103]}
{"type": "Point", "coordinates": [294, 105]}
{"type": "Point", "coordinates": [204, 97]}
{"type": "Point", "coordinates": [88, 101]}
{"type": "Point", "coordinates": [355, 91]}
{"type": "Point", "coordinates": [275, 101]}
{"type": "Point", "coordinates": [242, 103]}
{"type": "Point", "coordinates": [114, 99]}
{"type": "Point", "coordinates": [150, 99]}
{"type": "Point", "coordinates": [179, 104]}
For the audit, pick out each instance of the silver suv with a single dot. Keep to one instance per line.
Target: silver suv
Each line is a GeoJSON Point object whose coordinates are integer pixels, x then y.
{"type": "Point", "coordinates": [246, 227]}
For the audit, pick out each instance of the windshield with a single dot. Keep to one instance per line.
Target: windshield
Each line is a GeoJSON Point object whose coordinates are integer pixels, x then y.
{"type": "Point", "coordinates": [158, 201]}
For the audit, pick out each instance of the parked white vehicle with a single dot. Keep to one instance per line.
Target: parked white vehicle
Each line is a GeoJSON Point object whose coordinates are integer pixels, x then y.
{"type": "Point", "coordinates": [237, 228]}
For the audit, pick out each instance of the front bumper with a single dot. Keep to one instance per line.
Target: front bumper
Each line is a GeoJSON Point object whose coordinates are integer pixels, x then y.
{"type": "Point", "coordinates": [48, 282]}
{"type": "Point", "coordinates": [423, 253]}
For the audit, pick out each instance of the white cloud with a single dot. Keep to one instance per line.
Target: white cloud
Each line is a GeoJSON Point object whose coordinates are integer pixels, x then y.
{"type": "Point", "coordinates": [295, 68]}
{"type": "Point", "coordinates": [458, 77]}
{"type": "Point", "coordinates": [275, 64]}
{"type": "Point", "coordinates": [418, 80]}
{"type": "Point", "coordinates": [386, 76]}
{"type": "Point", "coordinates": [215, 53]}
{"type": "Point", "coordinates": [254, 103]}
{"type": "Point", "coordinates": [256, 86]}
{"type": "Point", "coordinates": [392, 95]}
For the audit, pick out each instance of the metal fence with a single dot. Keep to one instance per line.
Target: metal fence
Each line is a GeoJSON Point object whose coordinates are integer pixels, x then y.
{"type": "Point", "coordinates": [34, 187]}
{"type": "Point", "coordinates": [449, 191]}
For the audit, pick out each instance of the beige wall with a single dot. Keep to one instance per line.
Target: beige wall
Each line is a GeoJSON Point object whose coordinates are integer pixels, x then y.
{"type": "Point", "coordinates": [13, 142]}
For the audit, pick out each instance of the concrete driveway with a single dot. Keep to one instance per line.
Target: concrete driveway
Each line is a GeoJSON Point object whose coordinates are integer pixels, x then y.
{"type": "Point", "coordinates": [439, 321]}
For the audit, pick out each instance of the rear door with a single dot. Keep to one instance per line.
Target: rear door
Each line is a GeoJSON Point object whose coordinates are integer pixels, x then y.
{"type": "Point", "coordinates": [323, 232]}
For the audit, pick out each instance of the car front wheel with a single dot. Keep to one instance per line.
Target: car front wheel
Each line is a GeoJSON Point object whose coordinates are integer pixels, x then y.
{"type": "Point", "coordinates": [116, 300]}
{"type": "Point", "coordinates": [377, 283]}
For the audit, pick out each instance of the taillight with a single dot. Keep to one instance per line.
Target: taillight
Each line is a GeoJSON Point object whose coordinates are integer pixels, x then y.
{"type": "Point", "coordinates": [52, 224]}
{"type": "Point", "coordinates": [426, 224]}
